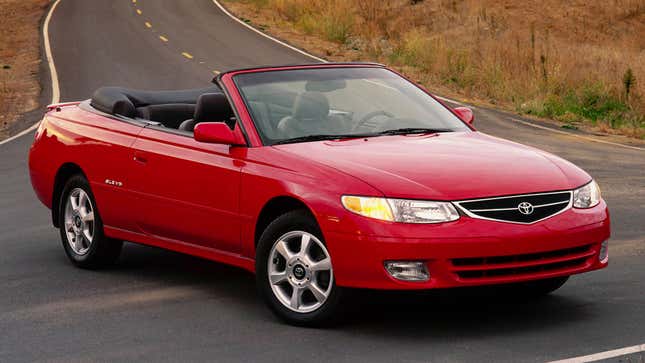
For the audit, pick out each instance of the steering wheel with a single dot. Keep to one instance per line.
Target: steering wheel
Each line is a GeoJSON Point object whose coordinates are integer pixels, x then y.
{"type": "Point", "coordinates": [365, 119]}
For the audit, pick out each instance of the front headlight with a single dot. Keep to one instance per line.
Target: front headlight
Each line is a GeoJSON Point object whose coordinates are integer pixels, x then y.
{"type": "Point", "coordinates": [401, 210]}
{"type": "Point", "coordinates": [586, 196]}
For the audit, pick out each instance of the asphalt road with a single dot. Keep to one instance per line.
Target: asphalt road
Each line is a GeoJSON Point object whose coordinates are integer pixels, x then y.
{"type": "Point", "coordinates": [161, 306]}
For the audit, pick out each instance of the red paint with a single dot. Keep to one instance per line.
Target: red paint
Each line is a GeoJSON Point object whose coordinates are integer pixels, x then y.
{"type": "Point", "coordinates": [465, 114]}
{"type": "Point", "coordinates": [217, 133]}
{"type": "Point", "coordinates": [204, 198]}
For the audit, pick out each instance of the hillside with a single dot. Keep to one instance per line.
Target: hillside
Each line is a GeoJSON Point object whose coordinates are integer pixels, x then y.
{"type": "Point", "coordinates": [579, 62]}
{"type": "Point", "coordinates": [19, 58]}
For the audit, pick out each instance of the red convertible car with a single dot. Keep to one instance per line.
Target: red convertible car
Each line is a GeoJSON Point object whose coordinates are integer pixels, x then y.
{"type": "Point", "coordinates": [317, 178]}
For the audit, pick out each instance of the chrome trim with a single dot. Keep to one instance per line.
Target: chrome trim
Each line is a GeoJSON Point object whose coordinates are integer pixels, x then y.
{"type": "Point", "coordinates": [515, 208]}
{"type": "Point", "coordinates": [514, 196]}
{"type": "Point", "coordinates": [473, 215]}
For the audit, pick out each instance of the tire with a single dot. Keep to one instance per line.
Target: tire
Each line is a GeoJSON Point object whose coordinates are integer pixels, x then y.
{"type": "Point", "coordinates": [538, 288]}
{"type": "Point", "coordinates": [81, 228]}
{"type": "Point", "coordinates": [307, 275]}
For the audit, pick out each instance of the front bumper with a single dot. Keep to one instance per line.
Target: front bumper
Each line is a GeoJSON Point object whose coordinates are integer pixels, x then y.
{"type": "Point", "coordinates": [471, 252]}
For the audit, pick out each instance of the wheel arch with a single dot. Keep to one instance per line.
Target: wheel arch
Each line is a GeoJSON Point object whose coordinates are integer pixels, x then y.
{"type": "Point", "coordinates": [65, 171]}
{"type": "Point", "coordinates": [276, 207]}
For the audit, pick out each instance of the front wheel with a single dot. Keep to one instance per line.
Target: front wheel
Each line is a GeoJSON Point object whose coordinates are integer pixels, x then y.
{"type": "Point", "coordinates": [294, 271]}
{"type": "Point", "coordinates": [81, 228]}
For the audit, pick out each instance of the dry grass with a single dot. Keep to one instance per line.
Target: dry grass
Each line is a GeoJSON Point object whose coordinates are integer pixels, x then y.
{"type": "Point", "coordinates": [565, 60]}
{"type": "Point", "coordinates": [19, 58]}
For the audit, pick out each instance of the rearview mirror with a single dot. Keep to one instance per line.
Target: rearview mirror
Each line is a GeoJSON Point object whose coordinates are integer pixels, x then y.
{"type": "Point", "coordinates": [465, 114]}
{"type": "Point", "coordinates": [216, 133]}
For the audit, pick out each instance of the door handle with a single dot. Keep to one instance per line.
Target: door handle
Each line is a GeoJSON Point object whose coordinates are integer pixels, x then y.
{"type": "Point", "coordinates": [139, 157]}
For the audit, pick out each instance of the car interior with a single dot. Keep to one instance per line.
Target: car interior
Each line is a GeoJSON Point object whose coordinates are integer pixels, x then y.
{"type": "Point", "coordinates": [279, 113]}
{"type": "Point", "coordinates": [276, 111]}
{"type": "Point", "coordinates": [288, 108]}
{"type": "Point", "coordinates": [180, 110]}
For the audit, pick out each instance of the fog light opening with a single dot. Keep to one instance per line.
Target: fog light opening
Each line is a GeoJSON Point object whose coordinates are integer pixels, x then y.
{"type": "Point", "coordinates": [603, 255]}
{"type": "Point", "coordinates": [407, 270]}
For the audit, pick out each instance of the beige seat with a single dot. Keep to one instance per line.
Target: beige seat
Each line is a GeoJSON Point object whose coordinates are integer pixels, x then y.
{"type": "Point", "coordinates": [310, 117]}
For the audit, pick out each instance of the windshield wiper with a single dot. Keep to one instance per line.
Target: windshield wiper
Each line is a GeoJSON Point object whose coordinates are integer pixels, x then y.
{"type": "Point", "coordinates": [320, 137]}
{"type": "Point", "coordinates": [413, 130]}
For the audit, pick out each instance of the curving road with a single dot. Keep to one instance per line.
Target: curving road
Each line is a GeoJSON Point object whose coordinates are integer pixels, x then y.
{"type": "Point", "coordinates": [161, 306]}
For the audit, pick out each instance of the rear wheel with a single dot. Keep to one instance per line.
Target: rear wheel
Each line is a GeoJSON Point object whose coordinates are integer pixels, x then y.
{"type": "Point", "coordinates": [81, 228]}
{"type": "Point", "coordinates": [294, 271]}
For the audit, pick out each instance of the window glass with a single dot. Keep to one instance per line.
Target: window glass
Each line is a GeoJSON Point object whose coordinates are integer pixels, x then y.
{"type": "Point", "coordinates": [339, 101]}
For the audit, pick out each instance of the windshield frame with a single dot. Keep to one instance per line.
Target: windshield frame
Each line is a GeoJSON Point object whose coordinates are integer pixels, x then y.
{"type": "Point", "coordinates": [228, 79]}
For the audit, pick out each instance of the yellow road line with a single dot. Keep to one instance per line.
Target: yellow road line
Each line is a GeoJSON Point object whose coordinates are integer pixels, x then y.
{"type": "Point", "coordinates": [216, 72]}
{"type": "Point", "coordinates": [163, 38]}
{"type": "Point", "coordinates": [148, 25]}
{"type": "Point", "coordinates": [139, 12]}
{"type": "Point", "coordinates": [187, 55]}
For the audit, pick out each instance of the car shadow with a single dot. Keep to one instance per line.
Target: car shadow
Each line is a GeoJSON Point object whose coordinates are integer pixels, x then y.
{"type": "Point", "coordinates": [412, 315]}
{"type": "Point", "coordinates": [154, 268]}
{"type": "Point", "coordinates": [459, 312]}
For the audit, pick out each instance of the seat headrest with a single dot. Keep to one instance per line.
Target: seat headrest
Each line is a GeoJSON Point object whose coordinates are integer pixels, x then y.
{"type": "Point", "coordinates": [311, 105]}
{"type": "Point", "coordinates": [213, 107]}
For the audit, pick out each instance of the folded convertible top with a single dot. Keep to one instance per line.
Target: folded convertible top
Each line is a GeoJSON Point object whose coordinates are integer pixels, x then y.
{"type": "Point", "coordinates": [124, 101]}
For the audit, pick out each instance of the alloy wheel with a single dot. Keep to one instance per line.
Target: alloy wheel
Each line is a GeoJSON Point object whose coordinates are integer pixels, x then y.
{"type": "Point", "coordinates": [300, 271]}
{"type": "Point", "coordinates": [79, 221]}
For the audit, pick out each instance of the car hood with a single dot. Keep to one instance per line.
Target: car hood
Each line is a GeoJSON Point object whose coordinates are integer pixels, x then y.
{"type": "Point", "coordinates": [446, 166]}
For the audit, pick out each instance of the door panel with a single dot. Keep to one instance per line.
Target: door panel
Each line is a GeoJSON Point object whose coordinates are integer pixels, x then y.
{"type": "Point", "coordinates": [186, 190]}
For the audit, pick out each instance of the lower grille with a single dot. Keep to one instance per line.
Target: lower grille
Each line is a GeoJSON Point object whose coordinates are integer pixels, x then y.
{"type": "Point", "coordinates": [517, 265]}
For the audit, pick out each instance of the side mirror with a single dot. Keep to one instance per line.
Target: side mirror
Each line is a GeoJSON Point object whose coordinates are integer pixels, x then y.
{"type": "Point", "coordinates": [216, 133]}
{"type": "Point", "coordinates": [465, 114]}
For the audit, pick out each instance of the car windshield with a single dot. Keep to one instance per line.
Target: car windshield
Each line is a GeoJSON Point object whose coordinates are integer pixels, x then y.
{"type": "Point", "coordinates": [328, 103]}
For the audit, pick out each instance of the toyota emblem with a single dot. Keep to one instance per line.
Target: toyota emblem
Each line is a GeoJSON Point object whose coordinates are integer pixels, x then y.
{"type": "Point", "coordinates": [525, 208]}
